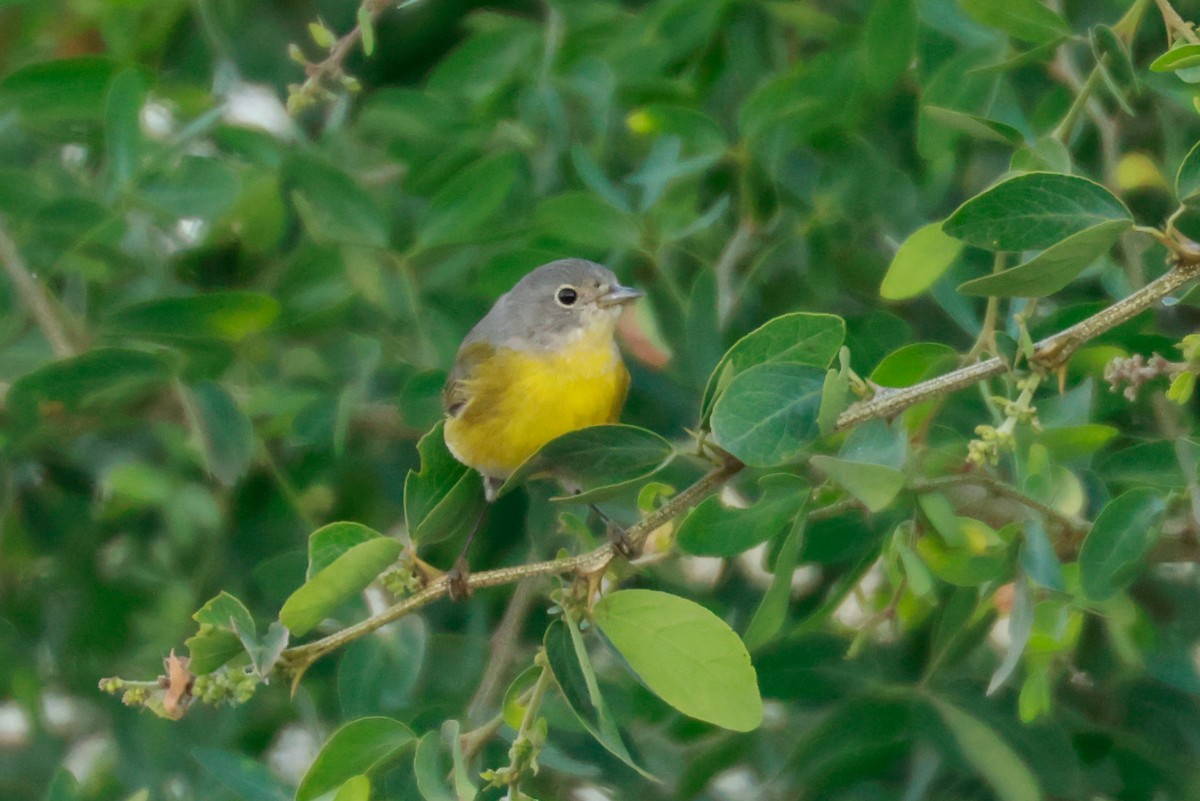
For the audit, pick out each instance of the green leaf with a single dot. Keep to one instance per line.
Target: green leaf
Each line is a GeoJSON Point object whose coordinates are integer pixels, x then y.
{"type": "Point", "coordinates": [799, 338]}
{"type": "Point", "coordinates": [50, 93]}
{"type": "Point", "coordinates": [835, 394]}
{"type": "Point", "coordinates": [910, 364]}
{"type": "Point", "coordinates": [922, 258]}
{"type": "Point", "coordinates": [97, 377]}
{"type": "Point", "coordinates": [226, 435]}
{"type": "Point", "coordinates": [329, 542]}
{"type": "Point", "coordinates": [1054, 267]}
{"type": "Point", "coordinates": [1027, 20]}
{"type": "Point", "coordinates": [1122, 534]}
{"type": "Point", "coordinates": [210, 648]}
{"type": "Point", "coordinates": [600, 461]}
{"type": "Point", "coordinates": [444, 498]}
{"type": "Point", "coordinates": [982, 128]}
{"type": "Point", "coordinates": [196, 187]}
{"type": "Point", "coordinates": [356, 788]}
{"type": "Point", "coordinates": [122, 126]}
{"type": "Point", "coordinates": [357, 748]}
{"type": "Point", "coordinates": [225, 611]}
{"type": "Point", "coordinates": [62, 787]}
{"type": "Point", "coordinates": [1019, 627]}
{"type": "Point", "coordinates": [891, 40]}
{"type": "Point", "coordinates": [461, 207]}
{"type": "Point", "coordinates": [685, 654]}
{"type": "Point", "coordinates": [1033, 211]}
{"type": "Point", "coordinates": [874, 484]}
{"type": "Point", "coordinates": [348, 575]}
{"type": "Point", "coordinates": [583, 219]}
{"type": "Point", "coordinates": [241, 775]}
{"type": "Point", "coordinates": [333, 206]}
{"type": "Point", "coordinates": [366, 24]}
{"type": "Point", "coordinates": [1112, 56]}
{"type": "Point", "coordinates": [1073, 442]}
{"type": "Point", "coordinates": [1187, 179]}
{"type": "Point", "coordinates": [572, 670]}
{"type": "Point", "coordinates": [429, 771]}
{"type": "Point", "coordinates": [982, 557]}
{"type": "Point", "coordinates": [772, 610]}
{"type": "Point", "coordinates": [264, 653]}
{"type": "Point", "coordinates": [229, 316]}
{"type": "Point", "coordinates": [1177, 58]}
{"type": "Point", "coordinates": [768, 414]}
{"type": "Point", "coordinates": [1038, 559]}
{"type": "Point", "coordinates": [993, 758]}
{"type": "Point", "coordinates": [714, 529]}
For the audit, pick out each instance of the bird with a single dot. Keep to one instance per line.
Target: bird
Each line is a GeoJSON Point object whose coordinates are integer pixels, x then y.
{"type": "Point", "coordinates": [542, 362]}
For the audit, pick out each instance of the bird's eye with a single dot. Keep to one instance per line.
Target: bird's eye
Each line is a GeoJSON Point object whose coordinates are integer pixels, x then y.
{"type": "Point", "coordinates": [566, 296]}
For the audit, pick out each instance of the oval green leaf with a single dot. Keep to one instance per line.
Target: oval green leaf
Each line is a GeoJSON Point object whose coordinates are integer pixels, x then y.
{"type": "Point", "coordinates": [714, 529]}
{"type": "Point", "coordinates": [355, 749]}
{"type": "Point", "coordinates": [445, 497]}
{"type": "Point", "coordinates": [922, 258]}
{"type": "Point", "coordinates": [685, 654]}
{"type": "Point", "coordinates": [1177, 58]}
{"type": "Point", "coordinates": [599, 461]}
{"type": "Point", "coordinates": [1027, 20]}
{"type": "Point", "coordinates": [1053, 268]}
{"type": "Point", "coordinates": [89, 378]}
{"type": "Point", "coordinates": [229, 316]}
{"type": "Point", "coordinates": [195, 187]}
{"type": "Point", "coordinates": [1187, 179]}
{"type": "Point", "coordinates": [50, 93]}
{"type": "Point", "coordinates": [1033, 211]}
{"type": "Point", "coordinates": [990, 755]}
{"type": "Point", "coordinates": [226, 434]}
{"type": "Point", "coordinates": [572, 670]}
{"type": "Point", "coordinates": [348, 575]}
{"type": "Point", "coordinates": [1122, 534]}
{"type": "Point", "coordinates": [469, 199]}
{"type": "Point", "coordinates": [328, 543]}
{"type": "Point", "coordinates": [768, 414]}
{"type": "Point", "coordinates": [798, 338]}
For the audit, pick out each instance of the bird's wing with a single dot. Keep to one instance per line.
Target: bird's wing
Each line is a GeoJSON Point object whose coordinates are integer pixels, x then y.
{"type": "Point", "coordinates": [457, 392]}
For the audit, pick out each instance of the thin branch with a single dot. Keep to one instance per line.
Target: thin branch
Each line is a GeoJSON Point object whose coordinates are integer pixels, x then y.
{"type": "Point", "coordinates": [1075, 526]}
{"type": "Point", "coordinates": [332, 67]}
{"type": "Point", "coordinates": [1176, 24]}
{"type": "Point", "coordinates": [34, 296]}
{"type": "Point", "coordinates": [298, 658]}
{"type": "Point", "coordinates": [1049, 353]}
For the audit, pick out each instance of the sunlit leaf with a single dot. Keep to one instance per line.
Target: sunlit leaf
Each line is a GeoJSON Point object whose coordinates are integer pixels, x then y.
{"type": "Point", "coordinates": [685, 654]}
{"type": "Point", "coordinates": [359, 747]}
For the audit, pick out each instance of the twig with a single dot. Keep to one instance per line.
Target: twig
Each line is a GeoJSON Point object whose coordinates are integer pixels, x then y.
{"type": "Point", "coordinates": [1075, 526]}
{"type": "Point", "coordinates": [1049, 353]}
{"type": "Point", "coordinates": [34, 297]}
{"type": "Point", "coordinates": [1175, 23]}
{"type": "Point", "coordinates": [333, 65]}
{"type": "Point", "coordinates": [298, 658]}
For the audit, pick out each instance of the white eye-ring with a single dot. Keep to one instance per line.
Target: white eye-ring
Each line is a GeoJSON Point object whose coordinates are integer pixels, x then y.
{"type": "Point", "coordinates": [566, 296]}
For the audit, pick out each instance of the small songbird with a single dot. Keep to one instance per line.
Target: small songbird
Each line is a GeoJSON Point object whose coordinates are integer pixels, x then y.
{"type": "Point", "coordinates": [543, 361]}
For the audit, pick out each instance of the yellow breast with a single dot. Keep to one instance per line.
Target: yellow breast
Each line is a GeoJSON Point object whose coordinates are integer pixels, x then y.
{"type": "Point", "coordinates": [520, 400]}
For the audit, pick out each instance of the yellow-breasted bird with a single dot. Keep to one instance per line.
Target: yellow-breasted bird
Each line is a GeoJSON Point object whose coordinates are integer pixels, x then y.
{"type": "Point", "coordinates": [543, 361]}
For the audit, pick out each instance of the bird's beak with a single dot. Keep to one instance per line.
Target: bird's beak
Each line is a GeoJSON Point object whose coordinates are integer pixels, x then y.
{"type": "Point", "coordinates": [618, 296]}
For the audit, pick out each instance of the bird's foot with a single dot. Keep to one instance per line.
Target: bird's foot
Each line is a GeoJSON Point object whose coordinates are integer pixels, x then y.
{"type": "Point", "coordinates": [460, 588]}
{"type": "Point", "coordinates": [621, 543]}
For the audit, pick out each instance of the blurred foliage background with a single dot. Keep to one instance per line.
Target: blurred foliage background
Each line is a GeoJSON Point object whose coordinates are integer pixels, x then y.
{"type": "Point", "coordinates": [249, 316]}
